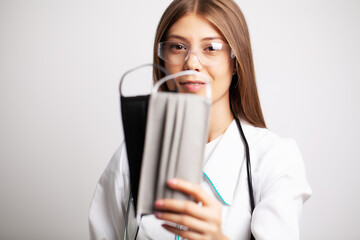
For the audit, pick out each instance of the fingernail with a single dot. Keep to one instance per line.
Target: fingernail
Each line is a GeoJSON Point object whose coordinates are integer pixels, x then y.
{"type": "Point", "coordinates": [172, 182]}
{"type": "Point", "coordinates": [158, 214]}
{"type": "Point", "coordinates": [159, 203]}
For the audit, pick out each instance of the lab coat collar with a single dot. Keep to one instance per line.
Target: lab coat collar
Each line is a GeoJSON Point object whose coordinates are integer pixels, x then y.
{"type": "Point", "coordinates": [224, 165]}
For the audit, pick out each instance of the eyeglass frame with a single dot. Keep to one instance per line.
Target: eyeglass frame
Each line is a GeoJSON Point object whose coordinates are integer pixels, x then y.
{"type": "Point", "coordinates": [189, 51]}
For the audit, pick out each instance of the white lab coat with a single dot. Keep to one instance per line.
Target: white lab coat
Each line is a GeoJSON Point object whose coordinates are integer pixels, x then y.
{"type": "Point", "coordinates": [279, 183]}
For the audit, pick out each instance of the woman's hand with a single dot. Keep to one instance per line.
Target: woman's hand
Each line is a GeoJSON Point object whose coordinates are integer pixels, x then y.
{"type": "Point", "coordinates": [200, 222]}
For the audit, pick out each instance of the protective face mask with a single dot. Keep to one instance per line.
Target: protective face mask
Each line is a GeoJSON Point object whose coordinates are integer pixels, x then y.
{"type": "Point", "coordinates": [176, 134]}
{"type": "Point", "coordinates": [165, 136]}
{"type": "Point", "coordinates": [176, 128]}
{"type": "Point", "coordinates": [134, 113]}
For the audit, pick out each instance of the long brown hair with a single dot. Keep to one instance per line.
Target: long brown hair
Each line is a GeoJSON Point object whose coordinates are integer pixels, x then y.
{"type": "Point", "coordinates": [228, 18]}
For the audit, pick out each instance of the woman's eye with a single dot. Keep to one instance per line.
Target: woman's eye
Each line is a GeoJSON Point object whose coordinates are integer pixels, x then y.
{"type": "Point", "coordinates": [177, 46]}
{"type": "Point", "coordinates": [210, 49]}
{"type": "Point", "coordinates": [213, 47]}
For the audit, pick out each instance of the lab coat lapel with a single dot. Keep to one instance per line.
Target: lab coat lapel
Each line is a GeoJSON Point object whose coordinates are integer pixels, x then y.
{"type": "Point", "coordinates": [224, 165]}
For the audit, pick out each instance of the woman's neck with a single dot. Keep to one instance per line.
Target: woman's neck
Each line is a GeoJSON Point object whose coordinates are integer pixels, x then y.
{"type": "Point", "coordinates": [220, 119]}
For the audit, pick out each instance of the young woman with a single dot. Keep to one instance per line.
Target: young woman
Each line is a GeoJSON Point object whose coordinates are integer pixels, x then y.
{"type": "Point", "coordinates": [211, 37]}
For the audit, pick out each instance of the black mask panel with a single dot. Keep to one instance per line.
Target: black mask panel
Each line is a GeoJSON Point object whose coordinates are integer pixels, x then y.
{"type": "Point", "coordinates": [134, 114]}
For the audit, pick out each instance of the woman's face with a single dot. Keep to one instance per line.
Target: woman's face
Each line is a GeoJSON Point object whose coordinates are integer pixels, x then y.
{"type": "Point", "coordinates": [209, 54]}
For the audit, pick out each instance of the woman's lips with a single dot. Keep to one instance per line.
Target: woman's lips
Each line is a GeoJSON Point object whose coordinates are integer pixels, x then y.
{"type": "Point", "coordinates": [192, 86]}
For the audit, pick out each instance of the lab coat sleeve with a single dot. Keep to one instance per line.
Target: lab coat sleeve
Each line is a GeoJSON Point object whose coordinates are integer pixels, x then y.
{"type": "Point", "coordinates": [108, 207]}
{"type": "Point", "coordinates": [282, 190]}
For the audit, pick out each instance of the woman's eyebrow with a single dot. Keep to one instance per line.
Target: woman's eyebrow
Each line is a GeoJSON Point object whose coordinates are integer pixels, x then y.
{"type": "Point", "coordinates": [176, 36]}
{"type": "Point", "coordinates": [212, 38]}
{"type": "Point", "coordinates": [203, 39]}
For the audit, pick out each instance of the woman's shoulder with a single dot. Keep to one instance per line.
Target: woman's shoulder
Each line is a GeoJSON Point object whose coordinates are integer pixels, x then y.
{"type": "Point", "coordinates": [263, 141]}
{"type": "Point", "coordinates": [268, 151]}
{"type": "Point", "coordinates": [274, 157]}
{"type": "Point", "coordinates": [271, 154]}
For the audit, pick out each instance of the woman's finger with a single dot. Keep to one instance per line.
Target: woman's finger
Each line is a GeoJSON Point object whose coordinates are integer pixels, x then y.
{"type": "Point", "coordinates": [191, 223]}
{"type": "Point", "coordinates": [192, 189]}
{"type": "Point", "coordinates": [186, 234]}
{"type": "Point", "coordinates": [184, 207]}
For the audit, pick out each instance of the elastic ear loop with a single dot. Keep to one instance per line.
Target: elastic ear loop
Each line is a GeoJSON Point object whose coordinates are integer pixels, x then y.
{"type": "Point", "coordinates": [184, 73]}
{"type": "Point", "coordinates": [130, 200]}
{"type": "Point", "coordinates": [161, 68]}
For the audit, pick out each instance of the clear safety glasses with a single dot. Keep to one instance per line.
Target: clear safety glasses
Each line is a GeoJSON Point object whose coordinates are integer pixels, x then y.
{"type": "Point", "coordinates": [209, 53]}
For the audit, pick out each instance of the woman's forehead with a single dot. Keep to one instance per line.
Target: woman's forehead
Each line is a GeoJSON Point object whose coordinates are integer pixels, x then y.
{"type": "Point", "coordinates": [193, 27]}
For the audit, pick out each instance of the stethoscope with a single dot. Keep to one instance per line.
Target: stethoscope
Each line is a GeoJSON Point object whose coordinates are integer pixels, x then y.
{"type": "Point", "coordinates": [248, 169]}
{"type": "Point", "coordinates": [130, 204]}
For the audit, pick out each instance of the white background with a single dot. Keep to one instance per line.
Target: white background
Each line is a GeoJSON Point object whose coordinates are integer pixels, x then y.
{"type": "Point", "coordinates": [60, 64]}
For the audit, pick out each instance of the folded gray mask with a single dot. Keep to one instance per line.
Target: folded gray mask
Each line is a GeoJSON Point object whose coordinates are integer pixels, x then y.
{"type": "Point", "coordinates": [176, 134]}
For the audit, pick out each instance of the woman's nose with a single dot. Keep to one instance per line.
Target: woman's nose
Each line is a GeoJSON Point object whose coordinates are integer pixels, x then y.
{"type": "Point", "coordinates": [192, 61]}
